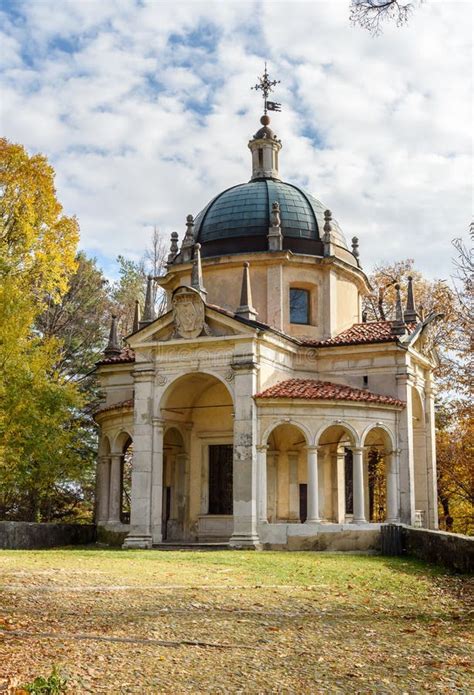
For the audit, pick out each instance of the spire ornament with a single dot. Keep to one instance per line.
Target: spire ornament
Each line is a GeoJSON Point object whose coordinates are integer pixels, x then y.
{"type": "Point", "coordinates": [136, 317]}
{"type": "Point", "coordinates": [113, 346]}
{"type": "Point", "coordinates": [327, 238]}
{"type": "Point", "coordinates": [246, 310]}
{"type": "Point", "coordinates": [410, 311]}
{"type": "Point", "coordinates": [174, 249]}
{"type": "Point", "coordinates": [148, 309]}
{"type": "Point", "coordinates": [188, 241]}
{"type": "Point", "coordinates": [399, 327]}
{"type": "Point", "coordinates": [275, 237]}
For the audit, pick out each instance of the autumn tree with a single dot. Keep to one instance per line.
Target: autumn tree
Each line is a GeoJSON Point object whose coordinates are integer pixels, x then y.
{"type": "Point", "coordinates": [37, 403]}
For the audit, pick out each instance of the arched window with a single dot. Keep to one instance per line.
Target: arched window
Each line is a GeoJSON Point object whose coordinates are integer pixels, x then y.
{"type": "Point", "coordinates": [299, 305]}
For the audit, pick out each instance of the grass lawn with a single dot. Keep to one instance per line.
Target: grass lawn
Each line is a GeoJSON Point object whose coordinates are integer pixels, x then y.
{"type": "Point", "coordinates": [239, 622]}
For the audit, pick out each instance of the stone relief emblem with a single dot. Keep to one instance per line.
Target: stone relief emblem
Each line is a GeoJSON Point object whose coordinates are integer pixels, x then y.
{"type": "Point", "coordinates": [188, 313]}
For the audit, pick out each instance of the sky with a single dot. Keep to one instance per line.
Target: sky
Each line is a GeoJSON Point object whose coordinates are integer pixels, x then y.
{"type": "Point", "coordinates": [144, 109]}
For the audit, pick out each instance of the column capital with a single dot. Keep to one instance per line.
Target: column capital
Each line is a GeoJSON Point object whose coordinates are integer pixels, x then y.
{"type": "Point", "coordinates": [158, 422]}
{"type": "Point", "coordinates": [262, 447]}
{"type": "Point", "coordinates": [314, 448]}
{"type": "Point", "coordinates": [104, 458]}
{"type": "Point", "coordinates": [356, 449]}
{"type": "Point", "coordinates": [116, 454]}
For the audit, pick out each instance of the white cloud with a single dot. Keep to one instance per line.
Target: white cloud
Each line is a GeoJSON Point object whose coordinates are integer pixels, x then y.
{"type": "Point", "coordinates": [145, 110]}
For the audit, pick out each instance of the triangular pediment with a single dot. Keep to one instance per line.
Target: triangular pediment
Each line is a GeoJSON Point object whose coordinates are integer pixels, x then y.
{"type": "Point", "coordinates": [190, 319]}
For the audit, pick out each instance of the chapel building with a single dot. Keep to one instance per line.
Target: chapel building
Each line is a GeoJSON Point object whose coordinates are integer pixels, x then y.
{"type": "Point", "coordinates": [261, 409]}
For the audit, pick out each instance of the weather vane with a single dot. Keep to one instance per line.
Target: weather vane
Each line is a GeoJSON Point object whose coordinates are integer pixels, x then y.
{"type": "Point", "coordinates": [265, 84]}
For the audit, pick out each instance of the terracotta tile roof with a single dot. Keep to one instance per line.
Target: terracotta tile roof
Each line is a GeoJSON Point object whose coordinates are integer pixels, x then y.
{"type": "Point", "coordinates": [312, 389]}
{"type": "Point", "coordinates": [360, 333]}
{"type": "Point", "coordinates": [127, 355]}
{"type": "Point", "coordinates": [121, 405]}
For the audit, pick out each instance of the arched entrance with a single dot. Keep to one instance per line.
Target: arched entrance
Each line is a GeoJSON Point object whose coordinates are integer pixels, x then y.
{"type": "Point", "coordinates": [337, 448]}
{"type": "Point", "coordinates": [197, 411]}
{"type": "Point", "coordinates": [382, 502]}
{"type": "Point", "coordinates": [287, 479]}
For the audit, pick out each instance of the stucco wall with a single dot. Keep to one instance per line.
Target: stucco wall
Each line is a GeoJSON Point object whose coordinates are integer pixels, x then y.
{"type": "Point", "coordinates": [23, 535]}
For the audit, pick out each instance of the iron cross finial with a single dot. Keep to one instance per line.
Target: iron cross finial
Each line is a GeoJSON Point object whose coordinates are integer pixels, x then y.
{"type": "Point", "coordinates": [265, 84]}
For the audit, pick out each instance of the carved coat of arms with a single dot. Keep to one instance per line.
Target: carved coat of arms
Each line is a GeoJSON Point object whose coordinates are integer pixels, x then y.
{"type": "Point", "coordinates": [188, 313]}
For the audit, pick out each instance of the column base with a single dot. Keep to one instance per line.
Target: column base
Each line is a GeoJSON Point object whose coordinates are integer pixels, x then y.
{"type": "Point", "coordinates": [359, 522]}
{"type": "Point", "coordinates": [245, 542]}
{"type": "Point", "coordinates": [312, 521]}
{"type": "Point", "coordinates": [140, 542]}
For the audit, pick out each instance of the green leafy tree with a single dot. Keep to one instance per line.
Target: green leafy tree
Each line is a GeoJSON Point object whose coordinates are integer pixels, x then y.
{"type": "Point", "coordinates": [38, 441]}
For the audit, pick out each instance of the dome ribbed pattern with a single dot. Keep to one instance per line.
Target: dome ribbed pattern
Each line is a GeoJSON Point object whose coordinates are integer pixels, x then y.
{"type": "Point", "coordinates": [244, 211]}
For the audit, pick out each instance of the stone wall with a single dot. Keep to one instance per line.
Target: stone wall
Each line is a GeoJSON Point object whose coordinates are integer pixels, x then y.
{"type": "Point", "coordinates": [439, 547]}
{"type": "Point", "coordinates": [24, 535]}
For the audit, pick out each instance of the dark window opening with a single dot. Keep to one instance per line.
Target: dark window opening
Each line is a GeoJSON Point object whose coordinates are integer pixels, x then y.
{"type": "Point", "coordinates": [260, 157]}
{"type": "Point", "coordinates": [349, 487]}
{"type": "Point", "coordinates": [366, 381]}
{"type": "Point", "coordinates": [303, 502]}
{"type": "Point", "coordinates": [220, 478]}
{"type": "Point", "coordinates": [299, 306]}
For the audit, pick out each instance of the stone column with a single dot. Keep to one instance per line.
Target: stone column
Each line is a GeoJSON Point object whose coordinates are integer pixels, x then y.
{"type": "Point", "coordinates": [102, 489]}
{"type": "Point", "coordinates": [313, 485]}
{"type": "Point", "coordinates": [405, 438]}
{"type": "Point", "coordinates": [140, 513]}
{"type": "Point", "coordinates": [262, 483]}
{"type": "Point", "coordinates": [245, 454]}
{"type": "Point", "coordinates": [393, 503]}
{"type": "Point", "coordinates": [358, 485]}
{"type": "Point", "coordinates": [115, 488]}
{"type": "Point", "coordinates": [293, 489]}
{"type": "Point", "coordinates": [432, 520]}
{"type": "Point", "coordinates": [272, 485]}
{"type": "Point", "coordinates": [157, 481]}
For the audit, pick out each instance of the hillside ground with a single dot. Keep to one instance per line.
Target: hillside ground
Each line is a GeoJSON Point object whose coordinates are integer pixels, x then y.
{"type": "Point", "coordinates": [233, 622]}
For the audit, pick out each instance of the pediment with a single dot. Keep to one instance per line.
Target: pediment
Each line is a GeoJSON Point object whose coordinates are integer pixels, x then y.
{"type": "Point", "coordinates": [190, 319]}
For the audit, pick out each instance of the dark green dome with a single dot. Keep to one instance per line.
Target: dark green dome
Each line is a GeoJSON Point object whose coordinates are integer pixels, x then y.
{"type": "Point", "coordinates": [238, 219]}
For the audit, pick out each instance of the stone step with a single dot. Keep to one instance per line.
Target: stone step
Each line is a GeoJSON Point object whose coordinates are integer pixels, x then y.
{"type": "Point", "coordinates": [191, 546]}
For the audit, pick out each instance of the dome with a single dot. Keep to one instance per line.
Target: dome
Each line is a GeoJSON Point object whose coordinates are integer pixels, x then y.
{"type": "Point", "coordinates": [238, 219]}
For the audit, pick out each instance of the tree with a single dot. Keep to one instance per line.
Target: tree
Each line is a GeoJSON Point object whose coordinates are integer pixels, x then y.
{"type": "Point", "coordinates": [132, 282]}
{"type": "Point", "coordinates": [370, 14]}
{"type": "Point", "coordinates": [38, 444]}
{"type": "Point", "coordinates": [432, 296]}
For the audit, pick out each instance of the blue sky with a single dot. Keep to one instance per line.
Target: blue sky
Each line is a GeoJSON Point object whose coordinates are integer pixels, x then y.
{"type": "Point", "coordinates": [145, 111]}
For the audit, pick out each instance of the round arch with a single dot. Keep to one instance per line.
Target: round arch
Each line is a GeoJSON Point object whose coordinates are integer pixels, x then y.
{"type": "Point", "coordinates": [378, 426]}
{"type": "Point", "coordinates": [186, 375]}
{"type": "Point", "coordinates": [120, 441]}
{"type": "Point", "coordinates": [343, 425]}
{"type": "Point", "coordinates": [298, 425]}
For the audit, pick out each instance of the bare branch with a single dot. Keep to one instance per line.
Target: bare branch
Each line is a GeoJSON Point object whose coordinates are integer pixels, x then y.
{"type": "Point", "coordinates": [370, 14]}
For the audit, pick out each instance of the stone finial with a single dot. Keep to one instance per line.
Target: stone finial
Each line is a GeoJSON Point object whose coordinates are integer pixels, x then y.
{"type": "Point", "coordinates": [275, 215]}
{"type": "Point", "coordinates": [113, 346]}
{"type": "Point", "coordinates": [246, 310]}
{"type": "Point", "coordinates": [327, 238]}
{"type": "Point", "coordinates": [196, 272]}
{"type": "Point", "coordinates": [174, 249]}
{"type": "Point", "coordinates": [275, 237]}
{"type": "Point", "coordinates": [136, 317]}
{"type": "Point", "coordinates": [399, 327]}
{"type": "Point", "coordinates": [149, 308]}
{"type": "Point", "coordinates": [410, 310]}
{"type": "Point", "coordinates": [355, 248]}
{"type": "Point", "coordinates": [188, 241]}
{"type": "Point", "coordinates": [422, 312]}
